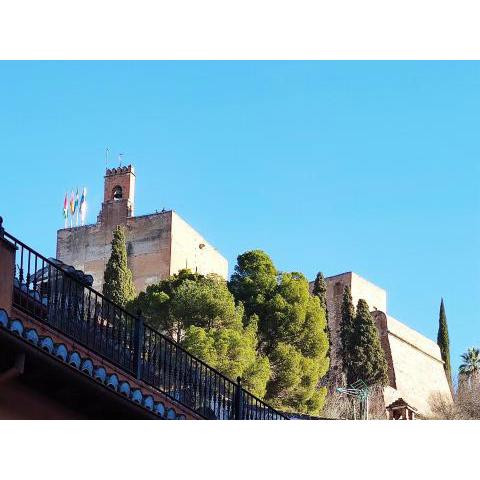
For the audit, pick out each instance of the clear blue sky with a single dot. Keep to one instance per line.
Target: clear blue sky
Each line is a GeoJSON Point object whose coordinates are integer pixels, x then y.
{"type": "Point", "coordinates": [333, 166]}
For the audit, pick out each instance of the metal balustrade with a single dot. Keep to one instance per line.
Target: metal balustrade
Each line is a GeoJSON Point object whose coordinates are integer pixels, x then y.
{"type": "Point", "coordinates": [62, 298]}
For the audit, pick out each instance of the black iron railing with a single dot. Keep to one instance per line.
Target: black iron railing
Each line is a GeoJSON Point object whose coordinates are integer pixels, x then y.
{"type": "Point", "coordinates": [59, 297]}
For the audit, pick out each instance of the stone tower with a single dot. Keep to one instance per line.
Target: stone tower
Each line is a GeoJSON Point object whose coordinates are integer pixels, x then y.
{"type": "Point", "coordinates": [415, 366]}
{"type": "Point", "coordinates": [118, 196]}
{"type": "Point", "coordinates": [375, 296]}
{"type": "Point", "coordinates": [158, 245]}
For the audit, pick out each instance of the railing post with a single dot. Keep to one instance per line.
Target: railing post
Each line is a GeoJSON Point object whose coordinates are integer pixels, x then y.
{"type": "Point", "coordinates": [238, 401]}
{"type": "Point", "coordinates": [7, 270]}
{"type": "Point", "coordinates": [138, 334]}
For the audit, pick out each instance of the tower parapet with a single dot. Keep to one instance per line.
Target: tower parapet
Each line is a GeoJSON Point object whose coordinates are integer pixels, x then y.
{"type": "Point", "coordinates": [158, 245]}
{"type": "Point", "coordinates": [118, 196]}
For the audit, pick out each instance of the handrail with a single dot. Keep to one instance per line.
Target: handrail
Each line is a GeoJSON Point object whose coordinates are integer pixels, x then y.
{"type": "Point", "coordinates": [65, 303]}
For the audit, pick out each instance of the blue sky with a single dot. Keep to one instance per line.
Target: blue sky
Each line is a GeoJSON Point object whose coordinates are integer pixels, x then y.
{"type": "Point", "coordinates": [333, 166]}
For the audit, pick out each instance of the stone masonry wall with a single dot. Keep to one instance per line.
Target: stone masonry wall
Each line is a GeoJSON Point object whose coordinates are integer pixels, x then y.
{"type": "Point", "coordinates": [158, 245]}
{"type": "Point", "coordinates": [148, 246]}
{"type": "Point", "coordinates": [375, 296]}
{"type": "Point", "coordinates": [418, 367]}
{"type": "Point", "coordinates": [191, 250]}
{"type": "Point", "coordinates": [415, 367]}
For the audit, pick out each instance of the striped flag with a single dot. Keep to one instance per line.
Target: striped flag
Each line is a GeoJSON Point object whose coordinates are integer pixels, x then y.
{"type": "Point", "coordinates": [72, 204]}
{"type": "Point", "coordinates": [83, 205]}
{"type": "Point", "coordinates": [65, 206]}
{"type": "Point", "coordinates": [76, 201]}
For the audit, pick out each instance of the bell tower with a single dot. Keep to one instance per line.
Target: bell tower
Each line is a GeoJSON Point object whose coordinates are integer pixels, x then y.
{"type": "Point", "coordinates": [118, 196]}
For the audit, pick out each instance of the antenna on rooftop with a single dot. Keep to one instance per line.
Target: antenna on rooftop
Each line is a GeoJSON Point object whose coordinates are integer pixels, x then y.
{"type": "Point", "coordinates": [107, 151]}
{"type": "Point", "coordinates": [120, 156]}
{"type": "Point", "coordinates": [359, 391]}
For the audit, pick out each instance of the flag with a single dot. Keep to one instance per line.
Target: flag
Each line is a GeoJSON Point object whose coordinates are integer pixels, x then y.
{"type": "Point", "coordinates": [72, 204]}
{"type": "Point", "coordinates": [65, 206]}
{"type": "Point", "coordinates": [83, 205]}
{"type": "Point", "coordinates": [76, 201]}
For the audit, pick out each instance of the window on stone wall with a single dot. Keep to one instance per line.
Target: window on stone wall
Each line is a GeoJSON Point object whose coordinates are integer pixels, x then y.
{"type": "Point", "coordinates": [117, 193]}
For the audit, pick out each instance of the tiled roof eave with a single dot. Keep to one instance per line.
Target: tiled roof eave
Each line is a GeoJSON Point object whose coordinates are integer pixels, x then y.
{"type": "Point", "coordinates": [24, 338]}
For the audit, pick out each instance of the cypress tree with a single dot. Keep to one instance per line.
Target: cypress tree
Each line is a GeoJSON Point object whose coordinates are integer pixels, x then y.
{"type": "Point", "coordinates": [118, 281]}
{"type": "Point", "coordinates": [367, 357]}
{"type": "Point", "coordinates": [346, 330]}
{"type": "Point", "coordinates": [320, 289]}
{"type": "Point", "coordinates": [444, 342]}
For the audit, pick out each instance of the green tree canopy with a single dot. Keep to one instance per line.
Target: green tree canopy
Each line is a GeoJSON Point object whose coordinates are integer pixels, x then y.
{"type": "Point", "coordinates": [155, 304]}
{"type": "Point", "coordinates": [367, 357]}
{"type": "Point", "coordinates": [320, 289]}
{"type": "Point", "coordinates": [232, 351]}
{"type": "Point", "coordinates": [200, 312]}
{"type": "Point", "coordinates": [444, 342]}
{"type": "Point", "coordinates": [346, 332]}
{"type": "Point", "coordinates": [292, 327]}
{"type": "Point", "coordinates": [471, 363]}
{"type": "Point", "coordinates": [118, 281]}
{"type": "Point", "coordinates": [205, 301]}
{"type": "Point", "coordinates": [254, 281]}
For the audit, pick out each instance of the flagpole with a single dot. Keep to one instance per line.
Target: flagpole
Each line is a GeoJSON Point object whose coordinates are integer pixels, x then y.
{"type": "Point", "coordinates": [77, 207]}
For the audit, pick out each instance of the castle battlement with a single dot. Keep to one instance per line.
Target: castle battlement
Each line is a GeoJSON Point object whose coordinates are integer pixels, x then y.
{"type": "Point", "coordinates": [158, 244]}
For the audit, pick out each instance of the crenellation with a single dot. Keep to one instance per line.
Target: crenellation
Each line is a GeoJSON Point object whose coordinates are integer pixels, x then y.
{"type": "Point", "coordinates": [158, 244]}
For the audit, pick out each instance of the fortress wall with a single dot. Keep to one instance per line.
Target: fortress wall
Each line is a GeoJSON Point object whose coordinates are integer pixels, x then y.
{"type": "Point", "coordinates": [375, 296]}
{"type": "Point", "coordinates": [85, 248]}
{"type": "Point", "coordinates": [381, 323]}
{"type": "Point", "coordinates": [158, 245]}
{"type": "Point", "coordinates": [148, 246]}
{"type": "Point", "coordinates": [148, 237]}
{"type": "Point", "coordinates": [413, 337]}
{"type": "Point", "coordinates": [417, 366]}
{"type": "Point", "coordinates": [335, 288]}
{"type": "Point", "coordinates": [186, 251]}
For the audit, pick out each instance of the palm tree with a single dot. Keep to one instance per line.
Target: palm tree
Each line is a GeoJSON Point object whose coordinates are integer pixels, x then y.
{"type": "Point", "coordinates": [471, 363]}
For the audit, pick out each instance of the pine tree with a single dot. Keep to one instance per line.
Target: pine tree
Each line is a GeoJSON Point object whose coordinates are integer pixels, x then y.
{"type": "Point", "coordinates": [320, 289]}
{"type": "Point", "coordinates": [367, 357]}
{"type": "Point", "coordinates": [118, 281]}
{"type": "Point", "coordinates": [444, 342]}
{"type": "Point", "coordinates": [291, 331]}
{"type": "Point", "coordinates": [346, 330]}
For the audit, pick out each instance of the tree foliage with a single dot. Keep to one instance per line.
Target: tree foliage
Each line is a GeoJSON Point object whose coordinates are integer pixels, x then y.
{"type": "Point", "coordinates": [264, 327]}
{"type": "Point", "coordinates": [444, 342]}
{"type": "Point", "coordinates": [346, 332]}
{"type": "Point", "coordinates": [155, 304]}
{"type": "Point", "coordinates": [232, 351]}
{"type": "Point", "coordinates": [118, 280]}
{"type": "Point", "coordinates": [366, 355]}
{"type": "Point", "coordinates": [254, 281]}
{"type": "Point", "coordinates": [200, 312]}
{"type": "Point", "coordinates": [320, 289]}
{"type": "Point", "coordinates": [292, 327]}
{"type": "Point", "coordinates": [471, 363]}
